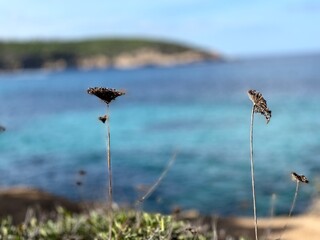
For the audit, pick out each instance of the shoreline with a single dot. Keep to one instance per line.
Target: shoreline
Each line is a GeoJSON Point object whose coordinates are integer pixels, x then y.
{"type": "Point", "coordinates": [111, 67]}
{"type": "Point", "coordinates": [17, 201]}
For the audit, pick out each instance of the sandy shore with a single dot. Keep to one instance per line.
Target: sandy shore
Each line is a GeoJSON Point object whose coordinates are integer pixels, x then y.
{"type": "Point", "coordinates": [303, 227]}
{"type": "Point", "coordinates": [16, 202]}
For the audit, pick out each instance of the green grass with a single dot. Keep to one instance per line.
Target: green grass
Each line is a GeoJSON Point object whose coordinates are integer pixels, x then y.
{"type": "Point", "coordinates": [94, 225]}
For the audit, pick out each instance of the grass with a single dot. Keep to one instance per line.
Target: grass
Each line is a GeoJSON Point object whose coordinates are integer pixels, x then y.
{"type": "Point", "coordinates": [94, 225]}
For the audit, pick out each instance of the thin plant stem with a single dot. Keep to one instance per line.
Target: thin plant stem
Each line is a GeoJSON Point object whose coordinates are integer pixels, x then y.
{"type": "Point", "coordinates": [294, 199]}
{"type": "Point", "coordinates": [214, 228]}
{"type": "Point", "coordinates": [155, 185]}
{"type": "Point", "coordinates": [252, 176]}
{"type": "Point", "coordinates": [139, 203]}
{"type": "Point", "coordinates": [109, 175]}
{"type": "Point", "coordinates": [109, 162]}
{"type": "Point", "coordinates": [291, 209]}
{"type": "Point", "coordinates": [272, 210]}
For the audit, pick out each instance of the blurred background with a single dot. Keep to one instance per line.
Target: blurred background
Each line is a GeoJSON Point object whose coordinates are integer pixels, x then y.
{"type": "Point", "coordinates": [186, 67]}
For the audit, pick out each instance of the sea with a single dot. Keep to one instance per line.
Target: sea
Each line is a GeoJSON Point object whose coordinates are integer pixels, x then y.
{"type": "Point", "coordinates": [198, 114]}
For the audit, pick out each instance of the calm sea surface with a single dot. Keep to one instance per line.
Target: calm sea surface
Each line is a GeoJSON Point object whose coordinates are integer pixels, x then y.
{"type": "Point", "coordinates": [201, 112]}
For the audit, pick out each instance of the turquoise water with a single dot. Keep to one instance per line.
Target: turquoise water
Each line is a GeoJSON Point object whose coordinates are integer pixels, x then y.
{"type": "Point", "coordinates": [201, 111]}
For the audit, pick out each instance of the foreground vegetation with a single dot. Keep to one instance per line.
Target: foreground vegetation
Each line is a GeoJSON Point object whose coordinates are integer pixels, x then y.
{"type": "Point", "coordinates": [94, 225]}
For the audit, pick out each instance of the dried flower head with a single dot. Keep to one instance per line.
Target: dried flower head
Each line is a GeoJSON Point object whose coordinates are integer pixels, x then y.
{"type": "Point", "coordinates": [299, 178]}
{"type": "Point", "coordinates": [103, 119]}
{"type": "Point", "coordinates": [260, 104]}
{"type": "Point", "coordinates": [105, 94]}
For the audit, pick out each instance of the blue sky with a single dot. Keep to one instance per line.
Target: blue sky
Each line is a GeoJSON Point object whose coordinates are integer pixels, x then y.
{"type": "Point", "coordinates": [232, 27]}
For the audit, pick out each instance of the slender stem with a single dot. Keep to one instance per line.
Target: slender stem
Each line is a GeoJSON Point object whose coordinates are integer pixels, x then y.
{"type": "Point", "coordinates": [252, 176]}
{"type": "Point", "coordinates": [272, 209]}
{"type": "Point", "coordinates": [291, 209]}
{"type": "Point", "coordinates": [214, 228]}
{"type": "Point", "coordinates": [140, 202]}
{"type": "Point", "coordinates": [294, 199]}
{"type": "Point", "coordinates": [155, 185]}
{"type": "Point", "coordinates": [109, 175]}
{"type": "Point", "coordinates": [109, 162]}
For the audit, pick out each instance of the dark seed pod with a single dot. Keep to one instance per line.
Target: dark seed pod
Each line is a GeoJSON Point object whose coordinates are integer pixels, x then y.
{"type": "Point", "coordinates": [105, 94]}
{"type": "Point", "coordinates": [299, 178]}
{"type": "Point", "coordinates": [103, 119]}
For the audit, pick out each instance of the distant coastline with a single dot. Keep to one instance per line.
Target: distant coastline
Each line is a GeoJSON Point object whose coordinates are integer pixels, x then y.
{"type": "Point", "coordinates": [98, 54]}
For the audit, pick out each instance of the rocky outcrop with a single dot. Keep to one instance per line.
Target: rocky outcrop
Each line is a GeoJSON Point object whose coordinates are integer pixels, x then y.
{"type": "Point", "coordinates": [136, 59]}
{"type": "Point", "coordinates": [151, 57]}
{"type": "Point", "coordinates": [97, 62]}
{"type": "Point", "coordinates": [98, 54]}
{"type": "Point", "coordinates": [17, 201]}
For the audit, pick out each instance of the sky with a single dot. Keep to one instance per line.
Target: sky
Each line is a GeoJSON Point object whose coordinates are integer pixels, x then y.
{"type": "Point", "coordinates": [231, 27]}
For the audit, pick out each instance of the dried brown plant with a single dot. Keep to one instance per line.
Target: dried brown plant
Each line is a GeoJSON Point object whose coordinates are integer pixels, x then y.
{"type": "Point", "coordinates": [298, 179]}
{"type": "Point", "coordinates": [260, 104]}
{"type": "Point", "coordinates": [103, 118]}
{"type": "Point", "coordinates": [105, 94]}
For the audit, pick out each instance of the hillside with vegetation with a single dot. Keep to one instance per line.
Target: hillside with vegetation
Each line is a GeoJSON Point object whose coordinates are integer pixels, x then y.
{"type": "Point", "coordinates": [99, 53]}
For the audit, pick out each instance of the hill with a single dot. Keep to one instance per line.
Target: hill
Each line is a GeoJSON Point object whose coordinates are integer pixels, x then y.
{"type": "Point", "coordinates": [97, 53]}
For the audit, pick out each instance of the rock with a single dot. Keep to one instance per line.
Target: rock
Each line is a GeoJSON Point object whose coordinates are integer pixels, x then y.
{"type": "Point", "coordinates": [16, 201]}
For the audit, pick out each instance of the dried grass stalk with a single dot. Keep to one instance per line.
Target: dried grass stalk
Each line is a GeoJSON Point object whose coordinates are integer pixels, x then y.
{"type": "Point", "coordinates": [259, 106]}
{"type": "Point", "coordinates": [107, 95]}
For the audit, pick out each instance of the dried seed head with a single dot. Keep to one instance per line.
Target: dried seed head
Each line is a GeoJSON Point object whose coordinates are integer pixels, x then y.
{"type": "Point", "coordinates": [104, 118]}
{"type": "Point", "coordinates": [260, 104]}
{"type": "Point", "coordinates": [105, 94]}
{"type": "Point", "coordinates": [299, 178]}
